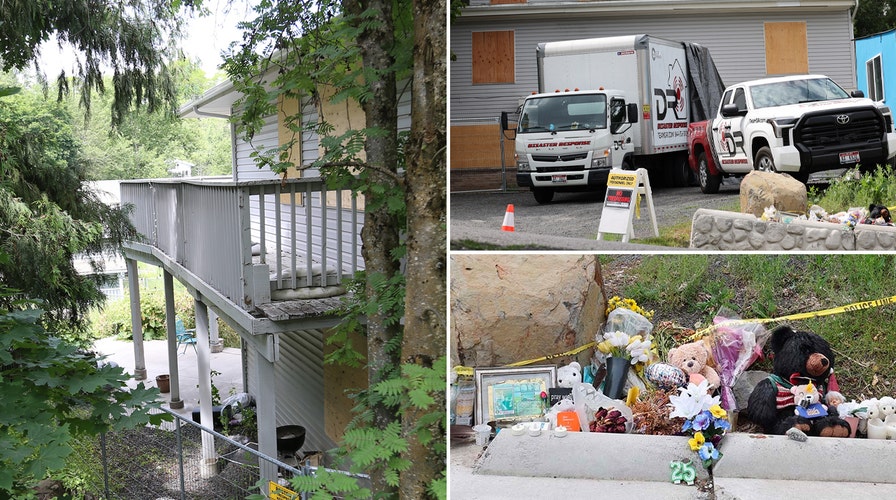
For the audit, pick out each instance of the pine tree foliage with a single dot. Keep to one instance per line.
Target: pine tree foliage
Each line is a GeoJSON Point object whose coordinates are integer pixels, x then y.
{"type": "Point", "coordinates": [134, 40]}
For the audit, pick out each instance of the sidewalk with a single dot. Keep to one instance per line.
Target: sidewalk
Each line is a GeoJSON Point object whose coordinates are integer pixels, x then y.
{"type": "Point", "coordinates": [227, 363]}
{"type": "Point", "coordinates": [753, 466]}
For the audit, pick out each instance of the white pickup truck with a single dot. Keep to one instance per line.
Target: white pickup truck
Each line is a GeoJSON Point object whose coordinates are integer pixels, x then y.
{"type": "Point", "coordinates": [794, 124]}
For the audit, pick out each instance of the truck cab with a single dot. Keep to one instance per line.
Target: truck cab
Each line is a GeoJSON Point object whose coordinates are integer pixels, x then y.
{"type": "Point", "coordinates": [799, 125]}
{"type": "Point", "coordinates": [569, 140]}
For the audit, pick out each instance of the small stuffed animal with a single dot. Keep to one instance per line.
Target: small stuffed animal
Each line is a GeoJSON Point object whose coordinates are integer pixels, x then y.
{"type": "Point", "coordinates": [569, 375]}
{"type": "Point", "coordinates": [808, 401]}
{"type": "Point", "coordinates": [692, 358]}
{"type": "Point", "coordinates": [878, 215]}
{"type": "Point", "coordinates": [887, 406]}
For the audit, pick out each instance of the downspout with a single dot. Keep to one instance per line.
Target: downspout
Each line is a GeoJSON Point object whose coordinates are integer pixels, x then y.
{"type": "Point", "coordinates": [854, 12]}
{"type": "Point", "coordinates": [216, 115]}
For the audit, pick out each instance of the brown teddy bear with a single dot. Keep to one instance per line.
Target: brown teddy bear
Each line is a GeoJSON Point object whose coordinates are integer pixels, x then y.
{"type": "Point", "coordinates": [692, 358]}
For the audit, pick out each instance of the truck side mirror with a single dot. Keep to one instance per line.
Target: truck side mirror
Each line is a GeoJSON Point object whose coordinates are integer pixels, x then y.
{"type": "Point", "coordinates": [504, 120]}
{"type": "Point", "coordinates": [730, 110]}
{"type": "Point", "coordinates": [632, 112]}
{"type": "Point", "coordinates": [857, 93]}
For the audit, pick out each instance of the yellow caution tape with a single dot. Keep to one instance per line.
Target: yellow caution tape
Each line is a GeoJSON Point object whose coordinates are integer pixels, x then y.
{"type": "Point", "coordinates": [467, 371]}
{"type": "Point", "coordinates": [855, 306]}
{"type": "Point", "coordinates": [638, 206]}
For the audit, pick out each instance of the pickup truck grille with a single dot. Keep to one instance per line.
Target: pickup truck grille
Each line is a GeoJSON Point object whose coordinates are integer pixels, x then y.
{"type": "Point", "coordinates": [568, 157]}
{"type": "Point", "coordinates": [825, 130]}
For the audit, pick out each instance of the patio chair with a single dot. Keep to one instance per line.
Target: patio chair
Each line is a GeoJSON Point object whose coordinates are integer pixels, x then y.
{"type": "Point", "coordinates": [185, 336]}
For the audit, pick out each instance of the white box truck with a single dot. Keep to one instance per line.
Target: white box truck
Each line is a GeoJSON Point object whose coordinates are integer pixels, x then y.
{"type": "Point", "coordinates": [602, 103]}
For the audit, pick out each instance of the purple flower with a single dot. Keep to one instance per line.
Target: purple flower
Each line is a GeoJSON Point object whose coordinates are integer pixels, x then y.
{"type": "Point", "coordinates": [702, 420]}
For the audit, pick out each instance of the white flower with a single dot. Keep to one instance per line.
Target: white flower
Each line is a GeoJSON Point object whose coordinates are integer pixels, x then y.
{"type": "Point", "coordinates": [692, 400]}
{"type": "Point", "coordinates": [639, 351]}
{"type": "Point", "coordinates": [617, 338]}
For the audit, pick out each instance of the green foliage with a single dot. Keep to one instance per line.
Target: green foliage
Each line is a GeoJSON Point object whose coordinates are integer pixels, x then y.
{"type": "Point", "coordinates": [51, 391]}
{"type": "Point", "coordinates": [853, 189]}
{"type": "Point", "coordinates": [144, 145]}
{"type": "Point", "coordinates": [137, 38]}
{"type": "Point", "coordinates": [46, 216]}
{"type": "Point", "coordinates": [874, 16]}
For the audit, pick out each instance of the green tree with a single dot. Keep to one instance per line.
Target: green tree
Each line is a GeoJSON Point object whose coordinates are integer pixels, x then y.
{"type": "Point", "coordinates": [144, 144]}
{"type": "Point", "coordinates": [364, 49]}
{"type": "Point", "coordinates": [874, 16]}
{"type": "Point", "coordinates": [47, 216]}
{"type": "Point", "coordinates": [135, 39]}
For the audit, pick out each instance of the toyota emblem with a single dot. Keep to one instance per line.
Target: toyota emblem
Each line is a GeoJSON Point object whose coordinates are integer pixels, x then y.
{"type": "Point", "coordinates": [843, 119]}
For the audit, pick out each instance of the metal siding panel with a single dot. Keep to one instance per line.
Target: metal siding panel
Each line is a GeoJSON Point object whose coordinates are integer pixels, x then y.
{"type": "Point", "coordinates": [266, 138]}
{"type": "Point", "coordinates": [737, 46]}
{"type": "Point", "coordinates": [300, 386]}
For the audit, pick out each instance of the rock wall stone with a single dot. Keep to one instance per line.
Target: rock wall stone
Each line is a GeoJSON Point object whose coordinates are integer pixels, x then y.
{"type": "Point", "coordinates": [507, 308]}
{"type": "Point", "coordinates": [720, 230]}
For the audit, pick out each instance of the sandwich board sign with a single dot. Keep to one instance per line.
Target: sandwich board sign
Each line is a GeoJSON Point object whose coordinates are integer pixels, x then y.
{"type": "Point", "coordinates": [624, 191]}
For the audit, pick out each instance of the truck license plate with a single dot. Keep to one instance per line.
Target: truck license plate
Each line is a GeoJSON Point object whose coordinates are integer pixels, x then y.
{"type": "Point", "coordinates": [851, 157]}
{"type": "Point", "coordinates": [561, 179]}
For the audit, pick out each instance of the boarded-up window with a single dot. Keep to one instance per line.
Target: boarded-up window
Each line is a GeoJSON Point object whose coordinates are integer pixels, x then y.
{"type": "Point", "coordinates": [493, 57]}
{"type": "Point", "coordinates": [786, 48]}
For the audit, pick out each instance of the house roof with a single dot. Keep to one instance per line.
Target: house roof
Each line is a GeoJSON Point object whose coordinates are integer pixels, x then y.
{"type": "Point", "coordinates": [216, 102]}
{"type": "Point", "coordinates": [561, 8]}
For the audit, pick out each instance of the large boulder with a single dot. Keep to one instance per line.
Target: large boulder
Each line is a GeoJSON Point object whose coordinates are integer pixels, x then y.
{"type": "Point", "coordinates": [508, 308]}
{"type": "Point", "coordinates": [760, 190]}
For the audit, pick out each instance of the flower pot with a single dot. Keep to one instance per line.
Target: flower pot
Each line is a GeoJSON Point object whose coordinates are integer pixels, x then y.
{"type": "Point", "coordinates": [617, 374]}
{"type": "Point", "coordinates": [164, 383]}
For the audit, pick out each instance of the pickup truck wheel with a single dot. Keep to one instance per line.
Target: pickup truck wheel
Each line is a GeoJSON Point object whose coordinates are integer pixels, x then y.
{"type": "Point", "coordinates": [764, 160]}
{"type": "Point", "coordinates": [709, 183]}
{"type": "Point", "coordinates": [543, 195]}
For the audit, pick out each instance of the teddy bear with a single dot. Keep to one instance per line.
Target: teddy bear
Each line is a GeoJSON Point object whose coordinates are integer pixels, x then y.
{"type": "Point", "coordinates": [887, 406]}
{"type": "Point", "coordinates": [569, 375]}
{"type": "Point", "coordinates": [692, 358]}
{"type": "Point", "coordinates": [878, 215]}
{"type": "Point", "coordinates": [800, 357]}
{"type": "Point", "coordinates": [808, 401]}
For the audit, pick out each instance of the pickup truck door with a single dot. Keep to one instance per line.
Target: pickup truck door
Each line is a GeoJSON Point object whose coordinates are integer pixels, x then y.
{"type": "Point", "coordinates": [728, 133]}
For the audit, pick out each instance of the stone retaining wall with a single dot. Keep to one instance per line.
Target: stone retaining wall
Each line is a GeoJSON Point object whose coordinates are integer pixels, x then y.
{"type": "Point", "coordinates": [721, 230]}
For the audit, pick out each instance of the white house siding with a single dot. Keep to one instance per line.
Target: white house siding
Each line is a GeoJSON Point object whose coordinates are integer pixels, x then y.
{"type": "Point", "coordinates": [265, 139]}
{"type": "Point", "coordinates": [737, 44]}
{"type": "Point", "coordinates": [299, 385]}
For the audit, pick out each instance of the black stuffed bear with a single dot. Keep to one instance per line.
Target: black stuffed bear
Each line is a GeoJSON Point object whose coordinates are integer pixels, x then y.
{"type": "Point", "coordinates": [799, 358]}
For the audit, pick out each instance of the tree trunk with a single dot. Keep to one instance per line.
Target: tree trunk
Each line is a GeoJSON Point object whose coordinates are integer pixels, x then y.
{"type": "Point", "coordinates": [425, 295]}
{"type": "Point", "coordinates": [381, 227]}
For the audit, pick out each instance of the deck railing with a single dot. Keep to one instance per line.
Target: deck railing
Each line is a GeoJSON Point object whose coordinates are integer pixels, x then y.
{"type": "Point", "coordinates": [247, 239]}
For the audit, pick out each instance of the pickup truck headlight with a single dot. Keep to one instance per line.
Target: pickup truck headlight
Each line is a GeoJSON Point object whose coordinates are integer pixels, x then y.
{"type": "Point", "coordinates": [781, 125]}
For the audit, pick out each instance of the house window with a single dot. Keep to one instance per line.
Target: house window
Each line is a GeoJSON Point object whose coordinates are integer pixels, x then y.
{"type": "Point", "coordinates": [786, 48]}
{"type": "Point", "coordinates": [875, 78]}
{"type": "Point", "coordinates": [493, 57]}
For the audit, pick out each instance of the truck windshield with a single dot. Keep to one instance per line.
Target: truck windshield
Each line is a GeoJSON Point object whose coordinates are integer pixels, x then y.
{"type": "Point", "coordinates": [796, 91]}
{"type": "Point", "coordinates": [564, 112]}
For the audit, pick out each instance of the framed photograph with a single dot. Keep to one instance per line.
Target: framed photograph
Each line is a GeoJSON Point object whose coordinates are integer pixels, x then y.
{"type": "Point", "coordinates": [512, 394]}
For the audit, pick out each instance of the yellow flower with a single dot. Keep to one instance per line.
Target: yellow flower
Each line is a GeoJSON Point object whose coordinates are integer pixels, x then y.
{"type": "Point", "coordinates": [697, 441]}
{"type": "Point", "coordinates": [605, 347]}
{"type": "Point", "coordinates": [717, 411]}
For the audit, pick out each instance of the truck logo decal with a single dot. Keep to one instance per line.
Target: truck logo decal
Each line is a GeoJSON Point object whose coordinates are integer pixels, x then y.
{"type": "Point", "coordinates": [672, 97]}
{"type": "Point", "coordinates": [559, 144]}
{"type": "Point", "coordinates": [842, 119]}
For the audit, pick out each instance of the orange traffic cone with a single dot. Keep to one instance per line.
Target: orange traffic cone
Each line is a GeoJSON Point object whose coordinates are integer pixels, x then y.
{"type": "Point", "coordinates": [508, 219]}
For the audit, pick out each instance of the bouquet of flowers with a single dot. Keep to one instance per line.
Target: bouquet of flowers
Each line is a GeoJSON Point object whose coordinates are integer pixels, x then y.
{"type": "Point", "coordinates": [705, 420]}
{"type": "Point", "coordinates": [619, 344]}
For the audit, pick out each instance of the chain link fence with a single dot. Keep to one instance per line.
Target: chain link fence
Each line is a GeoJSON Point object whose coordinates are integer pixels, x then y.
{"type": "Point", "coordinates": [166, 462]}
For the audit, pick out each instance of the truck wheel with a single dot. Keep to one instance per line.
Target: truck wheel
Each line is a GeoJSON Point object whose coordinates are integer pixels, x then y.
{"type": "Point", "coordinates": [543, 195]}
{"type": "Point", "coordinates": [627, 164]}
{"type": "Point", "coordinates": [764, 160]}
{"type": "Point", "coordinates": [680, 171]}
{"type": "Point", "coordinates": [709, 183]}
